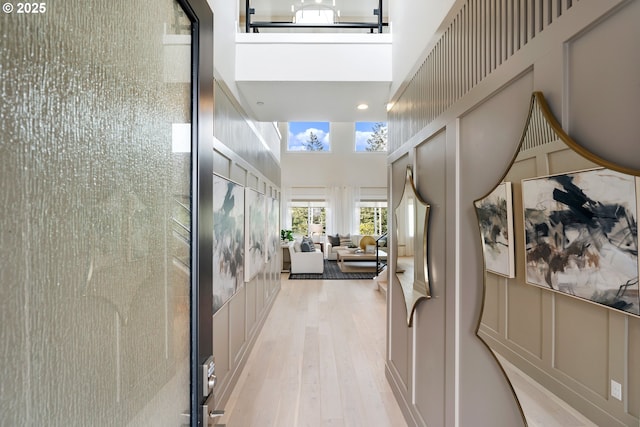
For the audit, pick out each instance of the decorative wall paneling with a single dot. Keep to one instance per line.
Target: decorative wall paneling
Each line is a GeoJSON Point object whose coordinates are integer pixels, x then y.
{"type": "Point", "coordinates": [481, 36]}
{"type": "Point", "coordinates": [399, 339]}
{"type": "Point", "coordinates": [570, 346]}
{"type": "Point", "coordinates": [538, 133]}
{"type": "Point", "coordinates": [494, 39]}
{"type": "Point", "coordinates": [242, 155]}
{"type": "Point", "coordinates": [593, 87]}
{"type": "Point", "coordinates": [485, 139]}
{"type": "Point", "coordinates": [633, 353]}
{"type": "Point", "coordinates": [430, 351]}
{"type": "Point", "coordinates": [242, 136]}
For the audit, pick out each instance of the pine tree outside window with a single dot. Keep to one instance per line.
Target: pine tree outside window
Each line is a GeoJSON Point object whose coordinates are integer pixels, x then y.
{"type": "Point", "coordinates": [313, 143]}
{"type": "Point", "coordinates": [371, 137]}
{"type": "Point", "coordinates": [309, 136]}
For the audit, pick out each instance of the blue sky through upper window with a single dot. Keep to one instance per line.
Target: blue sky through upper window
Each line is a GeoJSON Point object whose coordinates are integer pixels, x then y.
{"type": "Point", "coordinates": [299, 135]}
{"type": "Point", "coordinates": [364, 130]}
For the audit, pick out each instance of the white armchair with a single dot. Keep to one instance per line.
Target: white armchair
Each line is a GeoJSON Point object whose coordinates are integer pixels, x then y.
{"type": "Point", "coordinates": [306, 262]}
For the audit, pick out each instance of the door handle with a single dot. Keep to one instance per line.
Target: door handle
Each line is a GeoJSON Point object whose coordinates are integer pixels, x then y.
{"type": "Point", "coordinates": [216, 413]}
{"type": "Point", "coordinates": [208, 415]}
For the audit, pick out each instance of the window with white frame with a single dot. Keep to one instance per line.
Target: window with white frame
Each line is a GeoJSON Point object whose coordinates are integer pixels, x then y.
{"type": "Point", "coordinates": [309, 136]}
{"type": "Point", "coordinates": [308, 217]}
{"type": "Point", "coordinates": [373, 217]}
{"type": "Point", "coordinates": [371, 136]}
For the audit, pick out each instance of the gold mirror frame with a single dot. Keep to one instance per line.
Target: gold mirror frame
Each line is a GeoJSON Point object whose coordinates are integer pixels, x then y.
{"type": "Point", "coordinates": [540, 129]}
{"type": "Point", "coordinates": [414, 280]}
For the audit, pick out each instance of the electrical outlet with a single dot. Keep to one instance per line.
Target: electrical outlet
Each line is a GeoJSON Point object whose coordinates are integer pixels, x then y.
{"type": "Point", "coordinates": [616, 390]}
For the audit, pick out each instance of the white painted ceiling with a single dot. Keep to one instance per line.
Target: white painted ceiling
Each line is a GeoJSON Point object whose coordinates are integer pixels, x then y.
{"type": "Point", "coordinates": [321, 101]}
{"type": "Point", "coordinates": [315, 101]}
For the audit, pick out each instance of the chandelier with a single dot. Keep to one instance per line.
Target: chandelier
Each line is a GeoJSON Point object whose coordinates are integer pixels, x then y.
{"type": "Point", "coordinates": [315, 12]}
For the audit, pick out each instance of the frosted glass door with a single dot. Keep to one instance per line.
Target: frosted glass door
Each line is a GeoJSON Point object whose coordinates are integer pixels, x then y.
{"type": "Point", "coordinates": [95, 214]}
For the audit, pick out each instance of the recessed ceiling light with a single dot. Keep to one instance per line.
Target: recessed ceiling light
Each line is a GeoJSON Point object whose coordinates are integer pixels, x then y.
{"type": "Point", "coordinates": [362, 106]}
{"type": "Point", "coordinates": [259, 103]}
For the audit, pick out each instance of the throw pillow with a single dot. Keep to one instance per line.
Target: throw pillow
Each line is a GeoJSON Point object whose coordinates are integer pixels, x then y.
{"type": "Point", "coordinates": [297, 246]}
{"type": "Point", "coordinates": [345, 240]}
{"type": "Point", "coordinates": [334, 240]}
{"type": "Point", "coordinates": [306, 247]}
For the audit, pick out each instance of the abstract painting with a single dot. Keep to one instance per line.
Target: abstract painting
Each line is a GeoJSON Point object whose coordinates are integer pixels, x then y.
{"type": "Point", "coordinates": [255, 220]}
{"type": "Point", "coordinates": [495, 218]}
{"type": "Point", "coordinates": [582, 237]}
{"type": "Point", "coordinates": [228, 240]}
{"type": "Point", "coordinates": [273, 228]}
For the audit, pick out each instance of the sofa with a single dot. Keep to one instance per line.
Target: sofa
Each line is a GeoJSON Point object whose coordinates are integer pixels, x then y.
{"type": "Point", "coordinates": [305, 262]}
{"type": "Point", "coordinates": [332, 246]}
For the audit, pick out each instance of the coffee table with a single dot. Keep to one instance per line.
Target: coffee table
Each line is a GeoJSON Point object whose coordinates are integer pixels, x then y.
{"type": "Point", "coordinates": [350, 261]}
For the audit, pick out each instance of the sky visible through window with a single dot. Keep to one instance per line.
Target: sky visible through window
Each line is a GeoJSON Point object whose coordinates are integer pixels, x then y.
{"type": "Point", "coordinates": [364, 131]}
{"type": "Point", "coordinates": [300, 135]}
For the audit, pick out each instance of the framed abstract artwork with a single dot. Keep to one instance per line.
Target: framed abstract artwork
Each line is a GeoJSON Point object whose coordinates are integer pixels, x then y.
{"type": "Point", "coordinates": [255, 232]}
{"type": "Point", "coordinates": [272, 230]}
{"type": "Point", "coordinates": [495, 218]}
{"type": "Point", "coordinates": [581, 235]}
{"type": "Point", "coordinates": [228, 239]}
{"type": "Point", "coordinates": [576, 264]}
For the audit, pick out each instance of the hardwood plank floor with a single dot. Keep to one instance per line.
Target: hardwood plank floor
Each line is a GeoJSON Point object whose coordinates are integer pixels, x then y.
{"type": "Point", "coordinates": [318, 361]}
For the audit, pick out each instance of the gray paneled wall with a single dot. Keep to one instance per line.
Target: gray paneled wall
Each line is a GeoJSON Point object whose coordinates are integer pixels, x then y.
{"type": "Point", "coordinates": [240, 135]}
{"type": "Point", "coordinates": [240, 156]}
{"type": "Point", "coordinates": [466, 107]}
{"type": "Point", "coordinates": [571, 346]}
{"type": "Point", "coordinates": [481, 36]}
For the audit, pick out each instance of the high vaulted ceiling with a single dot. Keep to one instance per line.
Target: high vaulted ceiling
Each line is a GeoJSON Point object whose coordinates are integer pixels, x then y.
{"type": "Point", "coordinates": [300, 99]}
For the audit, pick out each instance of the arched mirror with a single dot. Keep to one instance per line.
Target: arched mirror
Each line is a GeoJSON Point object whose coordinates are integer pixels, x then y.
{"type": "Point", "coordinates": [561, 303]}
{"type": "Point", "coordinates": [411, 219]}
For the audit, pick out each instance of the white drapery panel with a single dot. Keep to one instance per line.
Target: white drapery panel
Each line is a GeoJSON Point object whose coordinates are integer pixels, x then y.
{"type": "Point", "coordinates": [342, 215]}
{"type": "Point", "coordinates": [331, 196]}
{"type": "Point", "coordinates": [285, 204]}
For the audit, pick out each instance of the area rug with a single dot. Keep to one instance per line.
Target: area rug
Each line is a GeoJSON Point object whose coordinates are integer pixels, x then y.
{"type": "Point", "coordinates": [332, 272]}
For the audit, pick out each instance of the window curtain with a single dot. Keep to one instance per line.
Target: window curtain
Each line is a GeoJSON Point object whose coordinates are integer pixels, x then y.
{"type": "Point", "coordinates": [354, 210]}
{"type": "Point", "coordinates": [342, 212]}
{"type": "Point", "coordinates": [331, 196]}
{"type": "Point", "coordinates": [286, 208]}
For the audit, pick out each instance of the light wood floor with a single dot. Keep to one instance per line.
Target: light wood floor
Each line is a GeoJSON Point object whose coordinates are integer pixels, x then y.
{"type": "Point", "coordinates": [318, 361]}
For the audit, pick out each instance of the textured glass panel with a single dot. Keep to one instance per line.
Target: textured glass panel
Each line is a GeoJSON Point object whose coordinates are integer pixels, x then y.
{"type": "Point", "coordinates": [94, 214]}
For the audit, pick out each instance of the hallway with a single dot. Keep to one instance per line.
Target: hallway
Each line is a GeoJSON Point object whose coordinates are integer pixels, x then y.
{"type": "Point", "coordinates": [318, 361]}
